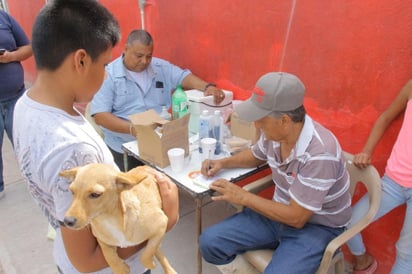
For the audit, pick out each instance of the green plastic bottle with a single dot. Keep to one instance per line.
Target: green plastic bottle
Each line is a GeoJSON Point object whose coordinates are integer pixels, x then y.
{"type": "Point", "coordinates": [179, 103]}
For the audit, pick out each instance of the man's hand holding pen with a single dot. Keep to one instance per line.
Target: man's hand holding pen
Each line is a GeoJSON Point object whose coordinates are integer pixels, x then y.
{"type": "Point", "coordinates": [228, 190]}
{"type": "Point", "coordinates": [210, 167]}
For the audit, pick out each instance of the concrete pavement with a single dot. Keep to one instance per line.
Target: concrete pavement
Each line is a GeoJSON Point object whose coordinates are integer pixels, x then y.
{"type": "Point", "coordinates": [25, 249]}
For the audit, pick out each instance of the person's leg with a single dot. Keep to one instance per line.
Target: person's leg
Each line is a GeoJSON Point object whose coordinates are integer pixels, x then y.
{"type": "Point", "coordinates": [391, 198]}
{"type": "Point", "coordinates": [220, 243]}
{"type": "Point", "coordinates": [403, 262]}
{"type": "Point", "coordinates": [6, 124]}
{"type": "Point", "coordinates": [301, 250]}
{"type": "Point", "coordinates": [8, 117]}
{"type": "Point", "coordinates": [2, 128]}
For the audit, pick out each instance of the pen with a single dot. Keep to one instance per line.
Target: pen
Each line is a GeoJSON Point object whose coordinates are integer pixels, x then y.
{"type": "Point", "coordinates": [208, 162]}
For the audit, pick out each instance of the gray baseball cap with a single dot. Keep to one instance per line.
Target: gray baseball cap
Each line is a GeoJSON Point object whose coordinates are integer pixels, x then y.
{"type": "Point", "coordinates": [274, 92]}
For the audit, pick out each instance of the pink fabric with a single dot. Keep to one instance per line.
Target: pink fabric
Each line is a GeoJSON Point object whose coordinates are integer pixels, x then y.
{"type": "Point", "coordinates": [399, 166]}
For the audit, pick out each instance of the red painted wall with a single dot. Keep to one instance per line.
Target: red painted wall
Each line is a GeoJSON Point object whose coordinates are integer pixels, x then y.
{"type": "Point", "coordinates": [25, 12]}
{"type": "Point", "coordinates": [353, 56]}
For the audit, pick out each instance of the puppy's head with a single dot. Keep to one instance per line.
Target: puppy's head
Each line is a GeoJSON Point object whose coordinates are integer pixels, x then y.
{"type": "Point", "coordinates": [95, 189]}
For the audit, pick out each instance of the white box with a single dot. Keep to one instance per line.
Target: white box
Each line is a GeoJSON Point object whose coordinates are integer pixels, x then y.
{"type": "Point", "coordinates": [198, 102]}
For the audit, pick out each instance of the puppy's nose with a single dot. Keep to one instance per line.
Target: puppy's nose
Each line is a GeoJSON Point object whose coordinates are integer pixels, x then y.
{"type": "Point", "coordinates": [70, 221]}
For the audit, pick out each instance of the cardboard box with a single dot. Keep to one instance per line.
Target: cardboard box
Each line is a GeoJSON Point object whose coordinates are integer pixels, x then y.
{"type": "Point", "coordinates": [156, 136]}
{"type": "Point", "coordinates": [199, 102]}
{"type": "Point", "coordinates": [243, 129]}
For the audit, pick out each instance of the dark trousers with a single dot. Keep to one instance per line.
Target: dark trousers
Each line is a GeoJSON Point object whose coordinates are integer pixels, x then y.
{"type": "Point", "coordinates": [131, 161]}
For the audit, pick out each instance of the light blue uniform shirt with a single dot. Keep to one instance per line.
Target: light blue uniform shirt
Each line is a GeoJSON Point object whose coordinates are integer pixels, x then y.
{"type": "Point", "coordinates": [122, 96]}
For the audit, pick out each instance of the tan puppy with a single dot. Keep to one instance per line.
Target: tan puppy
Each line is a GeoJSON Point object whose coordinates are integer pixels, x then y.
{"type": "Point", "coordinates": [123, 209]}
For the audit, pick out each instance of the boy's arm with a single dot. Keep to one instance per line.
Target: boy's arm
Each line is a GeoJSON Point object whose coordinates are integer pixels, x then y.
{"type": "Point", "coordinates": [170, 199]}
{"type": "Point", "coordinates": [84, 252]}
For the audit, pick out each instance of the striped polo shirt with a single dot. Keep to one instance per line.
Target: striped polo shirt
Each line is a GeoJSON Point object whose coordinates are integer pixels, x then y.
{"type": "Point", "coordinates": [314, 175]}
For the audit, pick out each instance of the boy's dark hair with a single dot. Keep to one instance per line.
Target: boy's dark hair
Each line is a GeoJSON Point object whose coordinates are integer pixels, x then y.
{"type": "Point", "coordinates": [64, 26]}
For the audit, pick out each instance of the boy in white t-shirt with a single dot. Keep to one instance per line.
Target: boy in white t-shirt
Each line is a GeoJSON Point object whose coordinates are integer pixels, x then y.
{"type": "Point", "coordinates": [72, 42]}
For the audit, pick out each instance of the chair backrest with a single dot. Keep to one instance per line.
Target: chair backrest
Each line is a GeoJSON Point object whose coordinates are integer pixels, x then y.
{"type": "Point", "coordinates": [370, 178]}
{"type": "Point", "coordinates": [91, 120]}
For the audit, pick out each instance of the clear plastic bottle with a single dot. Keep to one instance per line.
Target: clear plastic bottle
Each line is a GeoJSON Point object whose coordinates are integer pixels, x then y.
{"type": "Point", "coordinates": [218, 130]}
{"type": "Point", "coordinates": [165, 114]}
{"type": "Point", "coordinates": [179, 103]}
{"type": "Point", "coordinates": [205, 126]}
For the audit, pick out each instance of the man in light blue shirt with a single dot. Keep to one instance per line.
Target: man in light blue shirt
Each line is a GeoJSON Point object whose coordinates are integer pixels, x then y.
{"type": "Point", "coordinates": [137, 82]}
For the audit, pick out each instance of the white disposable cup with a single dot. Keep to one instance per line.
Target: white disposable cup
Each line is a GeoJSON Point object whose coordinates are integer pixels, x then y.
{"type": "Point", "coordinates": [176, 158]}
{"type": "Point", "coordinates": [208, 147]}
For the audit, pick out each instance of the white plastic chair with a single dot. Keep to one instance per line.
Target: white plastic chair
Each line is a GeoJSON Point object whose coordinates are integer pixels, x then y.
{"type": "Point", "coordinates": [333, 259]}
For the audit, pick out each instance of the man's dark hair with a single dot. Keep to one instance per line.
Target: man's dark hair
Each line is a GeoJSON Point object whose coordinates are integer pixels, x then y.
{"type": "Point", "coordinates": [297, 115]}
{"type": "Point", "coordinates": [140, 35]}
{"type": "Point", "coordinates": [64, 26]}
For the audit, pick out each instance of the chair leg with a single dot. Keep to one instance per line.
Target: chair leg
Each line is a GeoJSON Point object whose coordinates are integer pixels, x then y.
{"type": "Point", "coordinates": [340, 266]}
{"type": "Point", "coordinates": [238, 266]}
{"type": "Point", "coordinates": [337, 265]}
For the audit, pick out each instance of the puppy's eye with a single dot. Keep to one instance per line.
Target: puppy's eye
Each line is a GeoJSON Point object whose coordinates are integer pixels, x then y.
{"type": "Point", "coordinates": [94, 195]}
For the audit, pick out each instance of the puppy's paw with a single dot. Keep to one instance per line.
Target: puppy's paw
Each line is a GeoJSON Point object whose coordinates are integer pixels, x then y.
{"type": "Point", "coordinates": [170, 271]}
{"type": "Point", "coordinates": [121, 269]}
{"type": "Point", "coordinates": [148, 262]}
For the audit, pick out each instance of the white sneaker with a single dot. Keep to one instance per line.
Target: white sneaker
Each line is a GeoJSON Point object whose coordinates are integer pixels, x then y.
{"type": "Point", "coordinates": [51, 233]}
{"type": "Point", "coordinates": [2, 193]}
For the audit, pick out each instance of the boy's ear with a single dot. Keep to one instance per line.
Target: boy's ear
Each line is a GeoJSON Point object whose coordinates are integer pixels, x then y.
{"type": "Point", "coordinates": [79, 58]}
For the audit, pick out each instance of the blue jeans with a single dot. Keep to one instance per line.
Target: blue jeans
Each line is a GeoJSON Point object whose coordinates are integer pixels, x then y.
{"type": "Point", "coordinates": [393, 195]}
{"type": "Point", "coordinates": [6, 124]}
{"type": "Point", "coordinates": [297, 250]}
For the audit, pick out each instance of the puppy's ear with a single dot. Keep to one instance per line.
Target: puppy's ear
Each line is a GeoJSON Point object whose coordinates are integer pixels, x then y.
{"type": "Point", "coordinates": [122, 180]}
{"type": "Point", "coordinates": [129, 179]}
{"type": "Point", "coordinates": [69, 173]}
